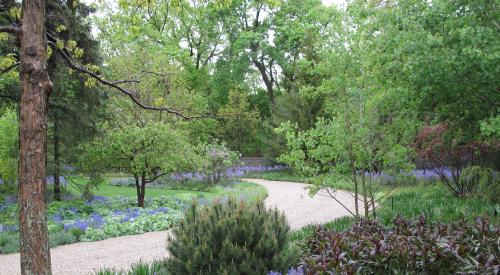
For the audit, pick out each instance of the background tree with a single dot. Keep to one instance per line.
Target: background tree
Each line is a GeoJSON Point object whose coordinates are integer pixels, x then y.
{"type": "Point", "coordinates": [146, 153]}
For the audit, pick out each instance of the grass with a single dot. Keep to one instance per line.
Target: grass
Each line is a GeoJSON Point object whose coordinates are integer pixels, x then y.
{"type": "Point", "coordinates": [434, 201]}
{"type": "Point", "coordinates": [283, 175]}
{"type": "Point", "coordinates": [437, 204]}
{"type": "Point", "coordinates": [234, 188]}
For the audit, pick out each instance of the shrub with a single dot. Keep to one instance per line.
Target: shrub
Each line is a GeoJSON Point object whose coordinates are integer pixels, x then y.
{"type": "Point", "coordinates": [230, 238]}
{"type": "Point", "coordinates": [491, 190]}
{"type": "Point", "coordinates": [409, 247]}
{"type": "Point", "coordinates": [130, 182]}
{"type": "Point", "coordinates": [60, 238]}
{"type": "Point", "coordinates": [482, 180]}
{"type": "Point", "coordinates": [217, 158]}
{"type": "Point", "coordinates": [9, 242]}
{"type": "Point", "coordinates": [472, 177]}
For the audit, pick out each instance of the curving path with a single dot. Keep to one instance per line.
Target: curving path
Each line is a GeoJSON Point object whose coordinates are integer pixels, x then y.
{"type": "Point", "coordinates": [301, 209]}
{"type": "Point", "coordinates": [84, 258]}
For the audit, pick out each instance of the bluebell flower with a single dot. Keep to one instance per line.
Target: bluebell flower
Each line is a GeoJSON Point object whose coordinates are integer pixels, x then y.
{"type": "Point", "coordinates": [97, 220]}
{"type": "Point", "coordinates": [82, 225]}
{"type": "Point", "coordinates": [8, 228]}
{"type": "Point", "coordinates": [57, 218]}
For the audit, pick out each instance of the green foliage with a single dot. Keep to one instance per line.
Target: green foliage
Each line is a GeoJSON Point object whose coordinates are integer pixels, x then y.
{"type": "Point", "coordinates": [140, 268]}
{"type": "Point", "coordinates": [9, 242]}
{"type": "Point", "coordinates": [338, 225]}
{"type": "Point", "coordinates": [240, 124]}
{"type": "Point", "coordinates": [8, 146]}
{"type": "Point", "coordinates": [61, 237]}
{"type": "Point", "coordinates": [149, 150]}
{"type": "Point", "coordinates": [146, 153]}
{"type": "Point", "coordinates": [435, 203]}
{"type": "Point", "coordinates": [475, 177]}
{"type": "Point", "coordinates": [217, 158]}
{"type": "Point", "coordinates": [282, 175]}
{"type": "Point", "coordinates": [229, 238]}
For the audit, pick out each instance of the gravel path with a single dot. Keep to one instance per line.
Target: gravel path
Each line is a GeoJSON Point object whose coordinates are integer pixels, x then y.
{"type": "Point", "coordinates": [85, 257]}
{"type": "Point", "coordinates": [301, 209]}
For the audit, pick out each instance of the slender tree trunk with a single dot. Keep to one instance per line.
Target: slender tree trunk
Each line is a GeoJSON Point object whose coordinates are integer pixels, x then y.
{"type": "Point", "coordinates": [365, 196]}
{"type": "Point", "coordinates": [138, 189]}
{"type": "Point", "coordinates": [372, 196]}
{"type": "Point", "coordinates": [356, 192]}
{"type": "Point", "coordinates": [143, 192]}
{"type": "Point", "coordinates": [57, 162]}
{"type": "Point", "coordinates": [35, 90]}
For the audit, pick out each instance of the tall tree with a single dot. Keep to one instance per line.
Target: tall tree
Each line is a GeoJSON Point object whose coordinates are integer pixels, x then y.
{"type": "Point", "coordinates": [35, 89]}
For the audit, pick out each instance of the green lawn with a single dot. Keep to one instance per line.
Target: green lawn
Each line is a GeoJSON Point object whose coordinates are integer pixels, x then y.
{"type": "Point", "coordinates": [434, 201]}
{"type": "Point", "coordinates": [283, 175]}
{"type": "Point", "coordinates": [235, 188]}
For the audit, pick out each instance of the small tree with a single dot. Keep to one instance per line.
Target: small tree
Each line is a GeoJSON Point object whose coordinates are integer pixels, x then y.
{"type": "Point", "coordinates": [146, 153]}
{"type": "Point", "coordinates": [217, 158]}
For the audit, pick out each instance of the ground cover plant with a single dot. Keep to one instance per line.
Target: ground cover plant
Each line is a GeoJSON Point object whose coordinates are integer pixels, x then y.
{"type": "Point", "coordinates": [409, 246]}
{"type": "Point", "coordinates": [101, 218]}
{"type": "Point", "coordinates": [185, 189]}
{"type": "Point", "coordinates": [113, 212]}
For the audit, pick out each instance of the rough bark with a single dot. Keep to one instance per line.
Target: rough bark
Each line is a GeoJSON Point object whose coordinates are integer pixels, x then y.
{"type": "Point", "coordinates": [57, 161]}
{"type": "Point", "coordinates": [35, 89]}
{"type": "Point", "coordinates": [268, 82]}
{"type": "Point", "coordinates": [140, 185]}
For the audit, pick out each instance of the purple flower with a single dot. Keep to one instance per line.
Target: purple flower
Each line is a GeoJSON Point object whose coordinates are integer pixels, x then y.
{"type": "Point", "coordinates": [57, 218]}
{"type": "Point", "coordinates": [82, 225]}
{"type": "Point", "coordinates": [97, 220]}
{"type": "Point", "coordinates": [11, 199]}
{"type": "Point", "coordinates": [128, 214]}
{"type": "Point", "coordinates": [6, 228]}
{"type": "Point", "coordinates": [99, 198]}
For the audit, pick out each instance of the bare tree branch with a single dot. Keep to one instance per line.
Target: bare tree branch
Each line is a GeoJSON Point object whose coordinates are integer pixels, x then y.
{"type": "Point", "coordinates": [125, 81]}
{"type": "Point", "coordinates": [10, 29]}
{"type": "Point", "coordinates": [115, 85]}
{"type": "Point", "coordinates": [332, 195]}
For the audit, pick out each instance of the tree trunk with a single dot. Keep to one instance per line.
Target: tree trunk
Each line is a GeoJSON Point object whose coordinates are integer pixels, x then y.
{"type": "Point", "coordinates": [268, 82]}
{"type": "Point", "coordinates": [372, 197]}
{"type": "Point", "coordinates": [356, 198]}
{"type": "Point", "coordinates": [143, 193]}
{"type": "Point", "coordinates": [35, 90]}
{"type": "Point", "coordinates": [365, 196]}
{"type": "Point", "coordinates": [57, 161]}
{"type": "Point", "coordinates": [139, 189]}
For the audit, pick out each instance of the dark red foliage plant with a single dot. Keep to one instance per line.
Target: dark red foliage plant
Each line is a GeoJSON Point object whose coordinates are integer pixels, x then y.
{"type": "Point", "coordinates": [409, 247]}
{"type": "Point", "coordinates": [449, 153]}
